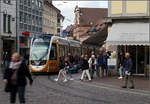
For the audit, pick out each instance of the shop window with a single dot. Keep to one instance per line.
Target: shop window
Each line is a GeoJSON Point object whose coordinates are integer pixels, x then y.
{"type": "Point", "coordinates": [23, 41]}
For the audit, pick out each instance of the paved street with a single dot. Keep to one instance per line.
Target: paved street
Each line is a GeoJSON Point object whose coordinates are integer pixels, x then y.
{"type": "Point", "coordinates": [46, 91]}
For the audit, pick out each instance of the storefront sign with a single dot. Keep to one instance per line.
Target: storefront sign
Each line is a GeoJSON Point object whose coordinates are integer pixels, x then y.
{"type": "Point", "coordinates": [112, 63]}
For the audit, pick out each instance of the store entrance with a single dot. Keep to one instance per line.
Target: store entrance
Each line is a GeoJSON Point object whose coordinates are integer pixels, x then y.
{"type": "Point", "coordinates": [137, 55]}
{"type": "Point", "coordinates": [140, 59]}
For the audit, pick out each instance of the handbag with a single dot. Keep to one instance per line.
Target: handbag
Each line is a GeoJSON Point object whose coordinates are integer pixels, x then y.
{"type": "Point", "coordinates": [7, 87]}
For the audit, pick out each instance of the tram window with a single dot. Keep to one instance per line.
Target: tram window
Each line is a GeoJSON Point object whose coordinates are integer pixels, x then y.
{"type": "Point", "coordinates": [60, 52]}
{"type": "Point", "coordinates": [53, 53]}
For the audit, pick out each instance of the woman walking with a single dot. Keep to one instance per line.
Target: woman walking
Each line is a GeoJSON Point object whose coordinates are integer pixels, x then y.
{"type": "Point", "coordinates": [92, 65]}
{"type": "Point", "coordinates": [85, 68]}
{"type": "Point", "coordinates": [15, 78]}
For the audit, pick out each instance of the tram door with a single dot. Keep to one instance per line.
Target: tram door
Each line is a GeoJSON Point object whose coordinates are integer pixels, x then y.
{"type": "Point", "coordinates": [54, 58]}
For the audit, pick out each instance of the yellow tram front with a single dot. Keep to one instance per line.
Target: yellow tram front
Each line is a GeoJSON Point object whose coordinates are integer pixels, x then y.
{"type": "Point", "coordinates": [44, 54]}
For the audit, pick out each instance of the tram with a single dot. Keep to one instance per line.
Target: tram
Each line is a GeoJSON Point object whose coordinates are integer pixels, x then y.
{"type": "Point", "coordinates": [46, 51]}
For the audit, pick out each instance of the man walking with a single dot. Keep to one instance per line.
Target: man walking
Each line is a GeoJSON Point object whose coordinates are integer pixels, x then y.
{"type": "Point", "coordinates": [100, 64]}
{"type": "Point", "coordinates": [128, 71]}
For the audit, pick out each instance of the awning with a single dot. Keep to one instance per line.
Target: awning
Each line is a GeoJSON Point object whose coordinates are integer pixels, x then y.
{"type": "Point", "coordinates": [129, 34]}
{"type": "Point", "coordinates": [98, 38]}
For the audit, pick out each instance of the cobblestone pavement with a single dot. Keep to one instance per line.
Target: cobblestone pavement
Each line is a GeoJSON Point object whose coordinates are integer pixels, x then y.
{"type": "Point", "coordinates": [47, 91]}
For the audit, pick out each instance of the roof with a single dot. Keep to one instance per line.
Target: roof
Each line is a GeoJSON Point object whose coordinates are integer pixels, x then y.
{"type": "Point", "coordinates": [98, 38]}
{"type": "Point", "coordinates": [92, 15]}
{"type": "Point", "coordinates": [49, 3]}
{"type": "Point", "coordinates": [70, 28]}
{"type": "Point", "coordinates": [60, 15]}
{"type": "Point", "coordinates": [94, 29]}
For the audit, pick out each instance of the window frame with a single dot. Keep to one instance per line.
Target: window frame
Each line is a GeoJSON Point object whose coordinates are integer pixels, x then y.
{"type": "Point", "coordinates": [55, 52]}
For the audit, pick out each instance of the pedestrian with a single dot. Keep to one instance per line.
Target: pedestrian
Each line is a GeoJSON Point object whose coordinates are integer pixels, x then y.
{"type": "Point", "coordinates": [71, 59]}
{"type": "Point", "coordinates": [121, 61]}
{"type": "Point", "coordinates": [128, 71]}
{"type": "Point", "coordinates": [92, 53]}
{"type": "Point", "coordinates": [85, 68]}
{"type": "Point", "coordinates": [6, 60]}
{"type": "Point", "coordinates": [92, 65]}
{"type": "Point", "coordinates": [105, 65]}
{"type": "Point", "coordinates": [100, 63]}
{"type": "Point", "coordinates": [62, 71]}
{"type": "Point", "coordinates": [97, 67]}
{"type": "Point", "coordinates": [76, 59]}
{"type": "Point", "coordinates": [15, 78]}
{"type": "Point", "coordinates": [81, 60]}
{"type": "Point", "coordinates": [26, 59]}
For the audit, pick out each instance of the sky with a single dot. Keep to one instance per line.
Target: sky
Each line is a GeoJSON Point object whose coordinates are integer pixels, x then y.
{"type": "Point", "coordinates": [67, 8]}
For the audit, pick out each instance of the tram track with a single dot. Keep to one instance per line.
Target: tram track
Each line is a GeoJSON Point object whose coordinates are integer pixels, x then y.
{"type": "Point", "coordinates": [58, 92]}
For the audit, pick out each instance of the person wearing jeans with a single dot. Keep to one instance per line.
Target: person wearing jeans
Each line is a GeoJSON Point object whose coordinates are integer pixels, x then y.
{"type": "Point", "coordinates": [97, 68]}
{"type": "Point", "coordinates": [85, 68]}
{"type": "Point", "coordinates": [121, 61]}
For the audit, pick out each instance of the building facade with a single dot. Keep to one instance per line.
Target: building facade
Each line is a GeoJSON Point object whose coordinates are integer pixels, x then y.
{"type": "Point", "coordinates": [131, 18]}
{"type": "Point", "coordinates": [7, 28]}
{"type": "Point", "coordinates": [49, 18]}
{"type": "Point", "coordinates": [52, 19]}
{"type": "Point", "coordinates": [60, 19]}
{"type": "Point", "coordinates": [85, 18]}
{"type": "Point", "coordinates": [30, 21]}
